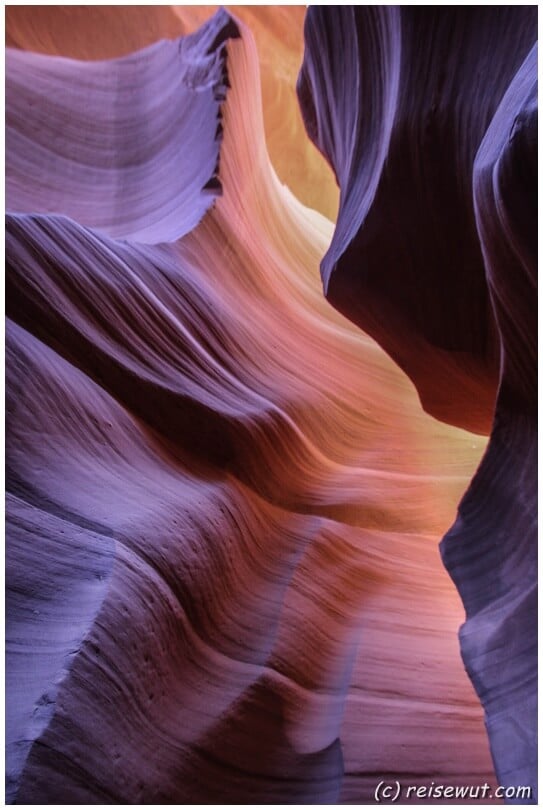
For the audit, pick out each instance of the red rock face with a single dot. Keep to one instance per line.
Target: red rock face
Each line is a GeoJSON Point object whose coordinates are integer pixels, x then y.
{"type": "Point", "coordinates": [224, 498]}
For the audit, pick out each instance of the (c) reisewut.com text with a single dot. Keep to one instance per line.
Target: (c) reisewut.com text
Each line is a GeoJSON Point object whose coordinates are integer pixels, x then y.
{"type": "Point", "coordinates": [393, 791]}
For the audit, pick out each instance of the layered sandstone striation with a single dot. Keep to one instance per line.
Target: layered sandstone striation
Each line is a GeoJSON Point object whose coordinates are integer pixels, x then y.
{"type": "Point", "coordinates": [433, 136]}
{"type": "Point", "coordinates": [224, 498]}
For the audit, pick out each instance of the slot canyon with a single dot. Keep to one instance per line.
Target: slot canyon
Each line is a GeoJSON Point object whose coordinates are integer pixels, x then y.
{"type": "Point", "coordinates": [271, 403]}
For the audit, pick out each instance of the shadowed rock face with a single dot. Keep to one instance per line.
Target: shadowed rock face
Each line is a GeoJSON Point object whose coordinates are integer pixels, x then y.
{"type": "Point", "coordinates": [491, 551]}
{"type": "Point", "coordinates": [398, 100]}
{"type": "Point", "coordinates": [224, 499]}
{"type": "Point", "coordinates": [432, 136]}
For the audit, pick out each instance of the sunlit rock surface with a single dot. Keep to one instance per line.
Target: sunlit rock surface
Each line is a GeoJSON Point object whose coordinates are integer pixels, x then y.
{"type": "Point", "coordinates": [139, 159]}
{"type": "Point", "coordinates": [101, 32]}
{"type": "Point", "coordinates": [434, 254]}
{"type": "Point", "coordinates": [224, 499]}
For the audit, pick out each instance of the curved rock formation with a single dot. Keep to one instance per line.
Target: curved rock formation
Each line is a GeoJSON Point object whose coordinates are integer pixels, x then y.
{"type": "Point", "coordinates": [124, 167]}
{"type": "Point", "coordinates": [224, 498]}
{"type": "Point", "coordinates": [98, 32]}
{"type": "Point", "coordinates": [491, 551]}
{"type": "Point", "coordinates": [434, 254]}
{"type": "Point", "coordinates": [405, 262]}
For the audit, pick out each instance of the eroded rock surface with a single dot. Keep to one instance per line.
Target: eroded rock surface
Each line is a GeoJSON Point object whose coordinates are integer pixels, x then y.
{"type": "Point", "coordinates": [224, 498]}
{"type": "Point", "coordinates": [429, 119]}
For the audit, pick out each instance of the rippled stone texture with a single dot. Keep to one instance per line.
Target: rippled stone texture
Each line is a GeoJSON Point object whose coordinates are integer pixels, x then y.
{"type": "Point", "coordinates": [491, 551]}
{"type": "Point", "coordinates": [225, 499]}
{"type": "Point", "coordinates": [429, 119]}
{"type": "Point", "coordinates": [398, 99]}
{"type": "Point", "coordinates": [139, 160]}
{"type": "Point", "coordinates": [101, 32]}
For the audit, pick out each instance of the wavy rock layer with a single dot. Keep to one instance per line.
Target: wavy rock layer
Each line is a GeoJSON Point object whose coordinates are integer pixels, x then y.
{"type": "Point", "coordinates": [98, 32]}
{"type": "Point", "coordinates": [497, 517]}
{"type": "Point", "coordinates": [124, 168]}
{"type": "Point", "coordinates": [225, 500]}
{"type": "Point", "coordinates": [435, 255]}
{"type": "Point", "coordinates": [405, 262]}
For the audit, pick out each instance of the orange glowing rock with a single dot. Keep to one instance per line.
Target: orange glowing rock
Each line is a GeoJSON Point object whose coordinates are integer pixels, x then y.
{"type": "Point", "coordinates": [250, 489]}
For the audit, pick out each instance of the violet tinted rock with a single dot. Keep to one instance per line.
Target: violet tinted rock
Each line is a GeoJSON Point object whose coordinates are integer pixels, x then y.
{"type": "Point", "coordinates": [491, 551]}
{"type": "Point", "coordinates": [128, 146]}
{"type": "Point", "coordinates": [433, 140]}
{"type": "Point", "coordinates": [398, 99]}
{"type": "Point", "coordinates": [204, 406]}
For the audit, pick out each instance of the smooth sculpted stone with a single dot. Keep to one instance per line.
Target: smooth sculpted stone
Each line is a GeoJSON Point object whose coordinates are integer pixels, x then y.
{"type": "Point", "coordinates": [398, 100]}
{"type": "Point", "coordinates": [128, 146]}
{"type": "Point", "coordinates": [491, 551]}
{"type": "Point", "coordinates": [105, 32]}
{"type": "Point", "coordinates": [429, 118]}
{"type": "Point", "coordinates": [225, 500]}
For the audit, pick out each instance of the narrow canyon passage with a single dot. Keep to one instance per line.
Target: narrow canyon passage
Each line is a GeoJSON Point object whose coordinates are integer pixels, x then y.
{"type": "Point", "coordinates": [225, 499]}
